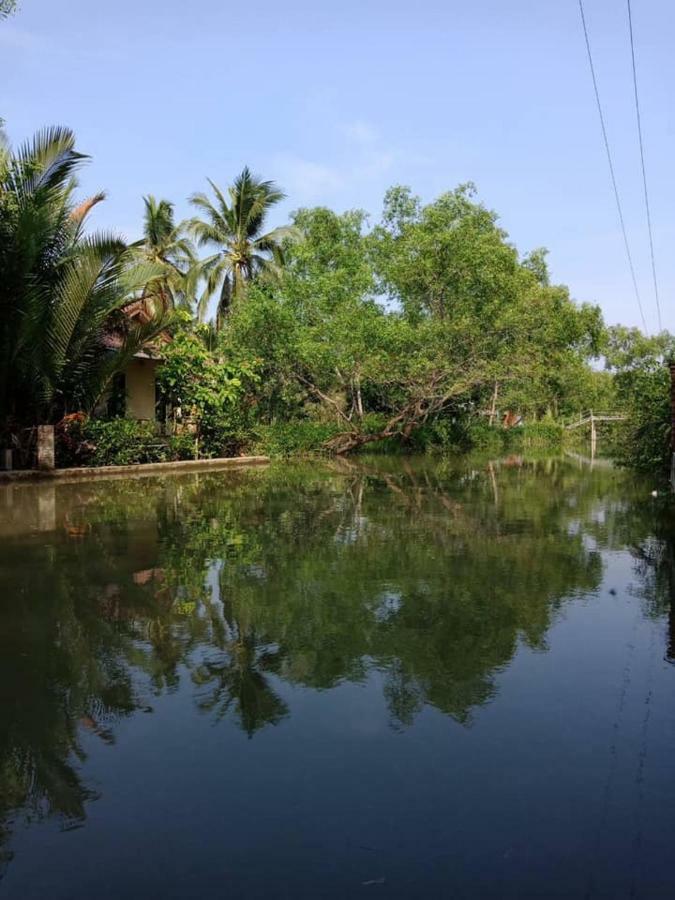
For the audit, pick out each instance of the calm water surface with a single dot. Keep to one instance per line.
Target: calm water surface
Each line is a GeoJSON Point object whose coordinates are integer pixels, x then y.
{"type": "Point", "coordinates": [384, 678]}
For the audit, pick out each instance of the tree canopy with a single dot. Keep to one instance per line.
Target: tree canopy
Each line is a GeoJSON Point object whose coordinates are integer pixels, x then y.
{"type": "Point", "coordinates": [234, 226]}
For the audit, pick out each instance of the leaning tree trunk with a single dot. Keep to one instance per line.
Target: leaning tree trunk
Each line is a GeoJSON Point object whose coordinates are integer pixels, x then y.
{"type": "Point", "coordinates": [401, 425]}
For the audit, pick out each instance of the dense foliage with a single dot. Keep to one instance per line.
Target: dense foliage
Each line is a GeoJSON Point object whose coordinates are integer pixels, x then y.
{"type": "Point", "coordinates": [642, 386]}
{"type": "Point", "coordinates": [206, 392]}
{"type": "Point", "coordinates": [118, 442]}
{"type": "Point", "coordinates": [61, 291]}
{"type": "Point", "coordinates": [429, 317]}
{"type": "Point", "coordinates": [426, 329]}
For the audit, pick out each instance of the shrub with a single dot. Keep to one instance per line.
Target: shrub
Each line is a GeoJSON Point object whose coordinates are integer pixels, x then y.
{"type": "Point", "coordinates": [480, 435]}
{"type": "Point", "coordinates": [116, 442]}
{"type": "Point", "coordinates": [209, 389]}
{"type": "Point", "coordinates": [544, 435]}
{"type": "Point", "coordinates": [181, 446]}
{"type": "Point", "coordinates": [223, 435]}
{"type": "Point", "coordinates": [442, 435]}
{"type": "Point", "coordinates": [123, 442]}
{"type": "Point", "coordinates": [463, 435]}
{"type": "Point", "coordinates": [289, 438]}
{"type": "Point", "coordinates": [70, 446]}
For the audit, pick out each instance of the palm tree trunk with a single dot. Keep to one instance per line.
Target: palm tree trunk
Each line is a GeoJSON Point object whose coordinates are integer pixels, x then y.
{"type": "Point", "coordinates": [224, 303]}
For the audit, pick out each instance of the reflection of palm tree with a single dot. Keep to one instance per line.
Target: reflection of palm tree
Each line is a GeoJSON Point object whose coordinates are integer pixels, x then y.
{"type": "Point", "coordinates": [236, 681]}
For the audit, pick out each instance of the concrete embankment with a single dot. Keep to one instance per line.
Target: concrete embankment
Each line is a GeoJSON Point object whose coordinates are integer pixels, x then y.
{"type": "Point", "coordinates": [139, 469]}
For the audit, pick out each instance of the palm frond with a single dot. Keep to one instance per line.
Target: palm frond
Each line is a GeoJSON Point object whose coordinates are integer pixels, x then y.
{"type": "Point", "coordinates": [234, 226]}
{"type": "Point", "coordinates": [47, 161]}
{"type": "Point", "coordinates": [83, 209]}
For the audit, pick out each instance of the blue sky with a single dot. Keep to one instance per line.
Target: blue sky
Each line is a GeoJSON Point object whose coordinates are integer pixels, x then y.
{"type": "Point", "coordinates": [337, 102]}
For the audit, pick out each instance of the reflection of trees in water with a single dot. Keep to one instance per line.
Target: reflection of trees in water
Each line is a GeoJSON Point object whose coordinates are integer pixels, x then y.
{"type": "Point", "coordinates": [417, 573]}
{"type": "Point", "coordinates": [60, 676]}
{"type": "Point", "coordinates": [647, 528]}
{"type": "Point", "coordinates": [235, 681]}
{"type": "Point", "coordinates": [308, 575]}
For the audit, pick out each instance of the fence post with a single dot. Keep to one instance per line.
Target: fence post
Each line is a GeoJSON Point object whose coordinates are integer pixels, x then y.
{"type": "Point", "coordinates": [45, 447]}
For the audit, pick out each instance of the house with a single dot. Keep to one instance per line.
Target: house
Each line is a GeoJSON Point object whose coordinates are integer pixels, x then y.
{"type": "Point", "coordinates": [133, 392]}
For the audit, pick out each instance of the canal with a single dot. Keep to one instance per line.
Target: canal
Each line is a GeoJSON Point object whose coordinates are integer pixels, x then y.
{"type": "Point", "coordinates": [382, 677]}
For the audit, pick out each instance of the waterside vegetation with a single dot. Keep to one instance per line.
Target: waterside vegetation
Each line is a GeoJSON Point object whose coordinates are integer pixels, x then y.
{"type": "Point", "coordinates": [426, 329]}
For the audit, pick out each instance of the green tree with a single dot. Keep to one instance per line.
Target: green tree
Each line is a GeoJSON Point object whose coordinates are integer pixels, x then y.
{"type": "Point", "coordinates": [466, 320]}
{"type": "Point", "coordinates": [334, 344]}
{"type": "Point", "coordinates": [450, 261]}
{"type": "Point", "coordinates": [235, 225]}
{"type": "Point", "coordinates": [61, 291]}
{"type": "Point", "coordinates": [165, 245]}
{"type": "Point", "coordinates": [642, 383]}
{"type": "Point", "coordinates": [203, 388]}
{"type": "Point", "coordinates": [445, 259]}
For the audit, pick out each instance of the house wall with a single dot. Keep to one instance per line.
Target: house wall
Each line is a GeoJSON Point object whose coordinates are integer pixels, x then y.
{"type": "Point", "coordinates": [140, 389]}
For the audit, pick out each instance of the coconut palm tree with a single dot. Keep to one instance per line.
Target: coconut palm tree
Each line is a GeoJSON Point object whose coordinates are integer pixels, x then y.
{"type": "Point", "coordinates": [165, 245]}
{"type": "Point", "coordinates": [234, 225]}
{"type": "Point", "coordinates": [61, 292]}
{"type": "Point", "coordinates": [7, 8]}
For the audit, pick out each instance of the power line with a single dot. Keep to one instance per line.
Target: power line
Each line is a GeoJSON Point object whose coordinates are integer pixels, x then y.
{"type": "Point", "coordinates": [611, 166]}
{"type": "Point", "coordinates": [642, 162]}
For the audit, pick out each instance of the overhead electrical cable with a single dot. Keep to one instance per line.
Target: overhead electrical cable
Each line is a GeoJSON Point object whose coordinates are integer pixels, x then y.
{"type": "Point", "coordinates": [644, 172]}
{"type": "Point", "coordinates": [611, 167]}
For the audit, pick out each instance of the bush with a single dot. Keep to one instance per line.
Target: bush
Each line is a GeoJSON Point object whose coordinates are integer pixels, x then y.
{"type": "Point", "coordinates": [116, 442]}
{"type": "Point", "coordinates": [289, 438]}
{"type": "Point", "coordinates": [209, 388]}
{"type": "Point", "coordinates": [464, 435]}
{"type": "Point", "coordinates": [544, 435]}
{"type": "Point", "coordinates": [480, 435]}
{"type": "Point", "coordinates": [222, 436]}
{"type": "Point", "coordinates": [123, 442]}
{"type": "Point", "coordinates": [181, 446]}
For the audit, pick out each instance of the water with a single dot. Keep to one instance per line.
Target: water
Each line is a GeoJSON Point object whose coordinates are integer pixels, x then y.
{"type": "Point", "coordinates": [383, 678]}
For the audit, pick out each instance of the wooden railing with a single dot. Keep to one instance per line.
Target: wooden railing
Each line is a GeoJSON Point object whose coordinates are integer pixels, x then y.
{"type": "Point", "coordinates": [590, 418]}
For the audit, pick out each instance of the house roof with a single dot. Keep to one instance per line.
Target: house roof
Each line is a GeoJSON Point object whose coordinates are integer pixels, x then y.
{"type": "Point", "coordinates": [139, 312]}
